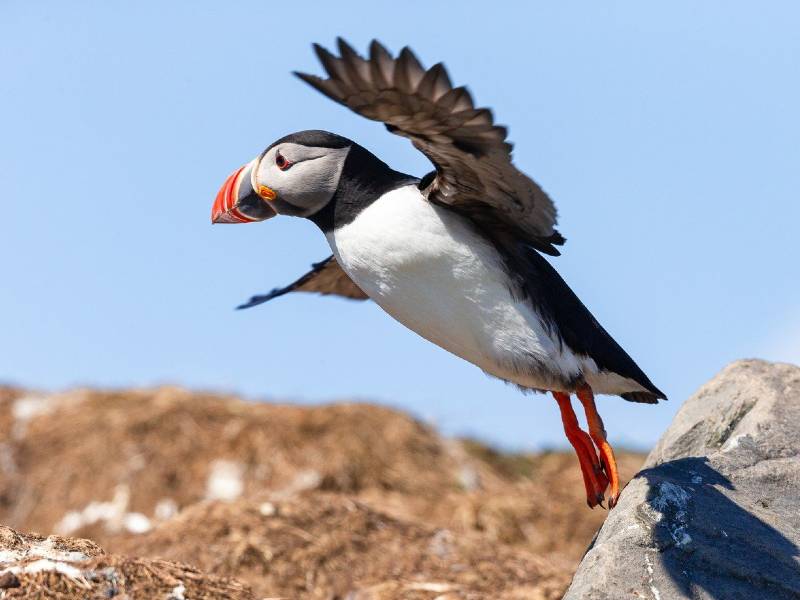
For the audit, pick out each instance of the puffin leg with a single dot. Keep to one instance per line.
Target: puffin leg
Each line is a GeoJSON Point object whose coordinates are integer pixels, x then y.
{"type": "Point", "coordinates": [569, 420]}
{"type": "Point", "coordinates": [594, 480]}
{"type": "Point", "coordinates": [598, 433]}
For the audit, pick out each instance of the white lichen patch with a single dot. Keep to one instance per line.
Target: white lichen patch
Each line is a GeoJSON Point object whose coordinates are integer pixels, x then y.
{"type": "Point", "coordinates": [668, 495]}
{"type": "Point", "coordinates": [650, 579]}
{"type": "Point", "coordinates": [469, 478]}
{"type": "Point", "coordinates": [225, 480]}
{"type": "Point", "coordinates": [304, 480]}
{"type": "Point", "coordinates": [165, 509]}
{"type": "Point", "coordinates": [672, 500]}
{"type": "Point", "coordinates": [27, 408]}
{"type": "Point", "coordinates": [267, 509]}
{"type": "Point", "coordinates": [44, 549]}
{"type": "Point", "coordinates": [45, 564]}
{"type": "Point", "coordinates": [738, 441]}
{"type": "Point", "coordinates": [43, 557]}
{"type": "Point", "coordinates": [441, 543]}
{"type": "Point", "coordinates": [431, 586]}
{"type": "Point", "coordinates": [136, 522]}
{"type": "Point", "coordinates": [177, 593]}
{"type": "Point", "coordinates": [681, 536]}
{"type": "Point", "coordinates": [114, 515]}
{"type": "Point", "coordinates": [10, 556]}
{"type": "Point", "coordinates": [732, 443]}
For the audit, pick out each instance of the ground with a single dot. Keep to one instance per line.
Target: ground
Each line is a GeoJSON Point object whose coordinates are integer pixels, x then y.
{"type": "Point", "coordinates": [344, 500]}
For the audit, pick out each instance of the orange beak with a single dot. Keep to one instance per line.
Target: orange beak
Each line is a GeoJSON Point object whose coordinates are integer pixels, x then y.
{"type": "Point", "coordinates": [237, 202]}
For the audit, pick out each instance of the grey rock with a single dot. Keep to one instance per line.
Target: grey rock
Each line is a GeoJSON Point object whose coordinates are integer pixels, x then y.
{"type": "Point", "coordinates": [715, 513]}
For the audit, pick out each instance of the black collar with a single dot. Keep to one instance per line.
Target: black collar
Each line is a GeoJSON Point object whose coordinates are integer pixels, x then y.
{"type": "Point", "coordinates": [364, 179]}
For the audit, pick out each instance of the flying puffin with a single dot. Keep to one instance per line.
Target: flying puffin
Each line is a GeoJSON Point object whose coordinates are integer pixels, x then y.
{"type": "Point", "coordinates": [456, 255]}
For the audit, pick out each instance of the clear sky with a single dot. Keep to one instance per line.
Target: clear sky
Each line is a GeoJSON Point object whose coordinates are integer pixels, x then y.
{"type": "Point", "coordinates": [667, 133]}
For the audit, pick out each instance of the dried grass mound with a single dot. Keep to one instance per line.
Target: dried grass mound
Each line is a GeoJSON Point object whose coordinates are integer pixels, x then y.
{"type": "Point", "coordinates": [339, 501]}
{"type": "Point", "coordinates": [141, 450]}
{"type": "Point", "coordinates": [59, 568]}
{"type": "Point", "coordinates": [322, 545]}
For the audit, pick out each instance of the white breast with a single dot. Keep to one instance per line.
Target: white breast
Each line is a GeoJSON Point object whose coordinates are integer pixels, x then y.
{"type": "Point", "coordinates": [428, 268]}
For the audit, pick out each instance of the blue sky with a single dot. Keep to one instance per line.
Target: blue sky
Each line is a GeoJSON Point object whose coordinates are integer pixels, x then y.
{"type": "Point", "coordinates": [667, 134]}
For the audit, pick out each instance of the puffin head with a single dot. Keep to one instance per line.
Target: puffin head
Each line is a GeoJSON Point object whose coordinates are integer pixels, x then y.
{"type": "Point", "coordinates": [296, 175]}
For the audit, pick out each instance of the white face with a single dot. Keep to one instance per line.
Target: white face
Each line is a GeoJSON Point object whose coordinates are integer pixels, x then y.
{"type": "Point", "coordinates": [303, 178]}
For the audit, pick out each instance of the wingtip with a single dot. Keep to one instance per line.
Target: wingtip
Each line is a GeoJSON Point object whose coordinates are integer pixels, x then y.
{"type": "Point", "coordinates": [440, 70]}
{"type": "Point", "coordinates": [314, 81]}
{"type": "Point", "coordinates": [378, 52]}
{"type": "Point", "coordinates": [407, 55]}
{"type": "Point", "coordinates": [260, 299]}
{"type": "Point", "coordinates": [376, 45]}
{"type": "Point", "coordinates": [344, 47]}
{"type": "Point", "coordinates": [323, 54]}
{"type": "Point", "coordinates": [253, 301]}
{"type": "Point", "coordinates": [307, 77]}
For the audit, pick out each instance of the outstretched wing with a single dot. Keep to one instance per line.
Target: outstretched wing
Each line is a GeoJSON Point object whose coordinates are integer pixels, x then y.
{"type": "Point", "coordinates": [474, 173]}
{"type": "Point", "coordinates": [326, 277]}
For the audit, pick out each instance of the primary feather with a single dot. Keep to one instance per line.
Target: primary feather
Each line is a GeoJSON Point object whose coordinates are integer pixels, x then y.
{"type": "Point", "coordinates": [474, 171]}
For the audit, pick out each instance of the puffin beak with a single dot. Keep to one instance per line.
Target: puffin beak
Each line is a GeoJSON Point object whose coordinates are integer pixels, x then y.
{"type": "Point", "coordinates": [238, 202]}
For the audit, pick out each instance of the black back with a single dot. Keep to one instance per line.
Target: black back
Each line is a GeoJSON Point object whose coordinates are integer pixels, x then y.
{"type": "Point", "coordinates": [569, 318]}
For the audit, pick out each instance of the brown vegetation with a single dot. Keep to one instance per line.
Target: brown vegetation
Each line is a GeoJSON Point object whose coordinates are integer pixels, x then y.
{"type": "Point", "coordinates": [348, 500]}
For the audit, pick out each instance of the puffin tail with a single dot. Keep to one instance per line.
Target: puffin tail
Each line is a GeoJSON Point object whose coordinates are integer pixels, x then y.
{"type": "Point", "coordinates": [644, 397]}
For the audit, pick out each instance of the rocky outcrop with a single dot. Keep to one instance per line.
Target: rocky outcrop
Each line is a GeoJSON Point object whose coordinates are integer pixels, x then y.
{"type": "Point", "coordinates": [715, 513]}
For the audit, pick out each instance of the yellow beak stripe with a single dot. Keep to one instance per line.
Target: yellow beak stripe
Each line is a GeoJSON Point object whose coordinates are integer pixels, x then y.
{"type": "Point", "coordinates": [266, 193]}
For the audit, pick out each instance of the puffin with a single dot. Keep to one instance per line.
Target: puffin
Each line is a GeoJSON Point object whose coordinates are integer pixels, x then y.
{"type": "Point", "coordinates": [457, 255]}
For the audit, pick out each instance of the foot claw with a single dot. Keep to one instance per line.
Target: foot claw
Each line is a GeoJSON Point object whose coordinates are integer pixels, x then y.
{"type": "Point", "coordinates": [598, 436]}
{"type": "Point", "coordinates": [595, 477]}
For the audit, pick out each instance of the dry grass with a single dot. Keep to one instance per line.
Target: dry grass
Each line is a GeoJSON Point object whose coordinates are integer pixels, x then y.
{"type": "Point", "coordinates": [333, 500]}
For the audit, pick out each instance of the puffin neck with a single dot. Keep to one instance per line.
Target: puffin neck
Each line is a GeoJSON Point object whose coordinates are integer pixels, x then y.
{"type": "Point", "coordinates": [363, 180]}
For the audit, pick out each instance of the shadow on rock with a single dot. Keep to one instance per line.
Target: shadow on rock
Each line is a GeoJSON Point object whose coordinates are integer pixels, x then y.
{"type": "Point", "coordinates": [708, 542]}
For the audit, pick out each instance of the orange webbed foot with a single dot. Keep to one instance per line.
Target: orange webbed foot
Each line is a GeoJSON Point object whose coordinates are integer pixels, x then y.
{"type": "Point", "coordinates": [598, 434]}
{"type": "Point", "coordinates": [594, 477]}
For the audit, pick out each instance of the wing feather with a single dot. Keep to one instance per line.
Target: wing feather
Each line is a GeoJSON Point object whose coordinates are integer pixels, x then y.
{"type": "Point", "coordinates": [325, 277]}
{"type": "Point", "coordinates": [474, 170]}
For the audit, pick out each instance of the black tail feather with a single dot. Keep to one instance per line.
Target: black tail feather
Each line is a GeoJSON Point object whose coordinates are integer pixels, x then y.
{"type": "Point", "coordinates": [643, 397]}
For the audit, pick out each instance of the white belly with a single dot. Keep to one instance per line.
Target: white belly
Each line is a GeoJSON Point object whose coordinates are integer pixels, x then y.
{"type": "Point", "coordinates": [428, 268]}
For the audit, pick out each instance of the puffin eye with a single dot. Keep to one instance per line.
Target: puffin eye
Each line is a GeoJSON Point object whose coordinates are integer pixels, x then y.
{"type": "Point", "coordinates": [281, 162]}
